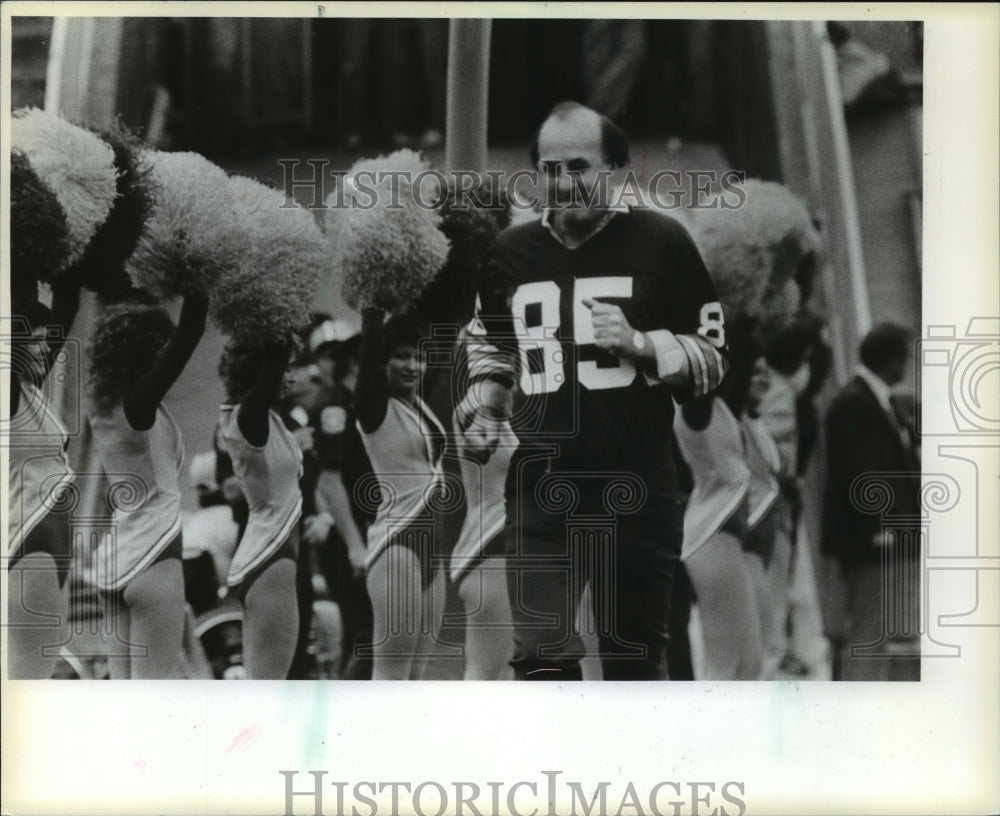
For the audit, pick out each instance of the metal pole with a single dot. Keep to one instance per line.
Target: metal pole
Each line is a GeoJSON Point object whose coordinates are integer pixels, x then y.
{"type": "Point", "coordinates": [468, 94]}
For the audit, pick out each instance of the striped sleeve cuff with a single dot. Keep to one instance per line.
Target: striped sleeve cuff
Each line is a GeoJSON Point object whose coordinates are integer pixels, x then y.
{"type": "Point", "coordinates": [706, 364]}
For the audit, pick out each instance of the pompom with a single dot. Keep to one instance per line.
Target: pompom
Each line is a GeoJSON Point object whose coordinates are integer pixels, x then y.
{"type": "Point", "coordinates": [754, 252]}
{"type": "Point", "coordinates": [102, 267]}
{"type": "Point", "coordinates": [77, 166]}
{"type": "Point", "coordinates": [270, 290]}
{"type": "Point", "coordinates": [471, 230]}
{"type": "Point", "coordinates": [192, 233]}
{"type": "Point", "coordinates": [39, 235]}
{"type": "Point", "coordinates": [388, 247]}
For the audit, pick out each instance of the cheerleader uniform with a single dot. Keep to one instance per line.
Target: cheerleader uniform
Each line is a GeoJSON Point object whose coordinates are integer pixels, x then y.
{"type": "Point", "coordinates": [721, 502]}
{"type": "Point", "coordinates": [143, 468]}
{"type": "Point", "coordinates": [720, 474]}
{"type": "Point", "coordinates": [405, 453]}
{"type": "Point", "coordinates": [486, 511]}
{"type": "Point", "coordinates": [269, 476]}
{"type": "Point", "coordinates": [39, 470]}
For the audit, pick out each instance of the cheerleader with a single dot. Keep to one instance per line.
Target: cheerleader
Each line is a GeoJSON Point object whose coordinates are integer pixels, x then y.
{"type": "Point", "coordinates": [267, 463]}
{"type": "Point", "coordinates": [478, 566]}
{"type": "Point", "coordinates": [136, 356]}
{"type": "Point", "coordinates": [39, 541]}
{"type": "Point", "coordinates": [765, 521]}
{"type": "Point", "coordinates": [717, 520]}
{"type": "Point", "coordinates": [404, 441]}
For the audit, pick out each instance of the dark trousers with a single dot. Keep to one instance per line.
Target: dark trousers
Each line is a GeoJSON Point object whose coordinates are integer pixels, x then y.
{"type": "Point", "coordinates": [629, 563]}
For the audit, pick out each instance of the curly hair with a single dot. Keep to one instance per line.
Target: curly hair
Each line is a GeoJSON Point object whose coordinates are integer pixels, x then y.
{"type": "Point", "coordinates": [126, 341]}
{"type": "Point", "coordinates": [238, 367]}
{"type": "Point", "coordinates": [241, 363]}
{"type": "Point", "coordinates": [405, 330]}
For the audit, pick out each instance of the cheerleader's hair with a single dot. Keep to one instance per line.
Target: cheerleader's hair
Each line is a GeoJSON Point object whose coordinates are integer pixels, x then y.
{"type": "Point", "coordinates": [24, 302]}
{"type": "Point", "coordinates": [39, 235]}
{"type": "Point", "coordinates": [402, 331]}
{"type": "Point", "coordinates": [78, 166]}
{"type": "Point", "coordinates": [241, 363]}
{"type": "Point", "coordinates": [127, 340]}
{"type": "Point", "coordinates": [238, 368]}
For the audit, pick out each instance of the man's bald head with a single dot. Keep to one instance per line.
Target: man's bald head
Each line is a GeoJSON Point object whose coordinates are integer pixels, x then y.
{"type": "Point", "coordinates": [614, 144]}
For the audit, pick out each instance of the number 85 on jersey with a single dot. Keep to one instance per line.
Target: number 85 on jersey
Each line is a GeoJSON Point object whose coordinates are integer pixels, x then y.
{"type": "Point", "coordinates": [535, 310]}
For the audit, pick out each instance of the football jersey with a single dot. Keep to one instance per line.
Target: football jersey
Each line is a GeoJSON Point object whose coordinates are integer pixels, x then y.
{"type": "Point", "coordinates": [600, 412]}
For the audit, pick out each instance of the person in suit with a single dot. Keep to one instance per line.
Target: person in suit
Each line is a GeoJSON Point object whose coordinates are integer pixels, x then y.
{"type": "Point", "coordinates": [871, 528]}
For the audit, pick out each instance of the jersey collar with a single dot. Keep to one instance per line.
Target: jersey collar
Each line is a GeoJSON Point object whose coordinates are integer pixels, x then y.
{"type": "Point", "coordinates": [610, 213]}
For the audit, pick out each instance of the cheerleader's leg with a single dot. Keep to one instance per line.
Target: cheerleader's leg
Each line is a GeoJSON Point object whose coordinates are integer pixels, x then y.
{"type": "Point", "coordinates": [37, 608]}
{"type": "Point", "coordinates": [489, 634]}
{"type": "Point", "coordinates": [154, 600]}
{"type": "Point", "coordinates": [271, 615]}
{"type": "Point", "coordinates": [36, 616]}
{"type": "Point", "coordinates": [395, 587]}
{"type": "Point", "coordinates": [432, 603]}
{"type": "Point", "coordinates": [730, 620]}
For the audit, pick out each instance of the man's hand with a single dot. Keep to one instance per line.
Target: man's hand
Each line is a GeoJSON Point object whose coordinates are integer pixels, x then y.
{"type": "Point", "coordinates": [612, 332]}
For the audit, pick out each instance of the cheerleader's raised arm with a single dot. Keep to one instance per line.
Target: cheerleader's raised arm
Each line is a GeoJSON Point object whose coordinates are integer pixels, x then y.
{"type": "Point", "coordinates": [371, 398]}
{"type": "Point", "coordinates": [256, 403]}
{"type": "Point", "coordinates": [143, 399]}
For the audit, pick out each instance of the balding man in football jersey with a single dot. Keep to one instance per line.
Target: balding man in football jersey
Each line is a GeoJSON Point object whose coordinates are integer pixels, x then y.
{"type": "Point", "coordinates": [598, 318]}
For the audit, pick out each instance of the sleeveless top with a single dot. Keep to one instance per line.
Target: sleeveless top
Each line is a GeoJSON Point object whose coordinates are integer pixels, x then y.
{"type": "Point", "coordinates": [486, 509]}
{"type": "Point", "coordinates": [269, 477]}
{"type": "Point", "coordinates": [143, 470]}
{"type": "Point", "coordinates": [408, 468]}
{"type": "Point", "coordinates": [39, 468]}
{"type": "Point", "coordinates": [719, 471]}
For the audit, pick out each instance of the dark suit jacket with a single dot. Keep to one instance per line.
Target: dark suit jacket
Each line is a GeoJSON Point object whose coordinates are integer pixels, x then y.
{"type": "Point", "coordinates": [862, 439]}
